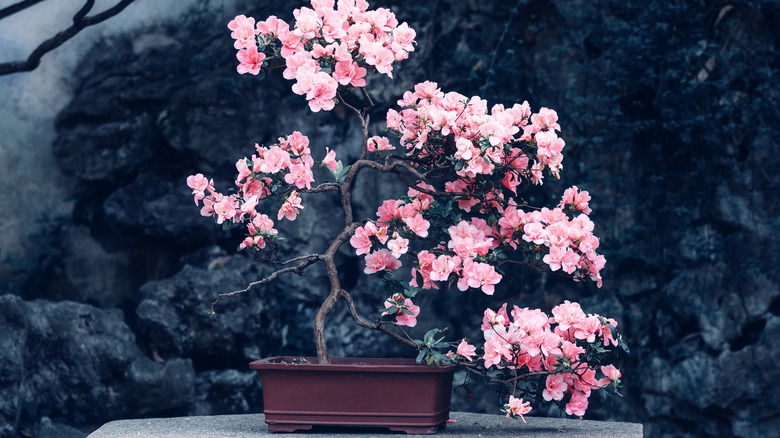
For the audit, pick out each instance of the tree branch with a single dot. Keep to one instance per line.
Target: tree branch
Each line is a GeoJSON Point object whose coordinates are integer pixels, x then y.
{"type": "Point", "coordinates": [10, 10]}
{"type": "Point", "coordinates": [324, 187]}
{"type": "Point", "coordinates": [80, 22]}
{"type": "Point", "coordinates": [378, 326]}
{"type": "Point", "coordinates": [394, 166]}
{"type": "Point", "coordinates": [304, 262]}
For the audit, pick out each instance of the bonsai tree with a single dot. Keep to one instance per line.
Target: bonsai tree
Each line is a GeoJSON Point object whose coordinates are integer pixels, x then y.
{"type": "Point", "coordinates": [462, 222]}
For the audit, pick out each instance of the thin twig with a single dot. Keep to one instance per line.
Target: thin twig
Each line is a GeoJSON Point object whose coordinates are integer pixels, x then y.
{"type": "Point", "coordinates": [10, 10]}
{"type": "Point", "coordinates": [80, 22]}
{"type": "Point", "coordinates": [305, 262]}
{"type": "Point", "coordinates": [324, 187]}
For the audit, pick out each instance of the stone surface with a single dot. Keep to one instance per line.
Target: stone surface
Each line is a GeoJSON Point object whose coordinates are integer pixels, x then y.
{"type": "Point", "coordinates": [227, 392]}
{"type": "Point", "coordinates": [175, 319]}
{"type": "Point", "coordinates": [77, 363]}
{"type": "Point", "coordinates": [466, 425]}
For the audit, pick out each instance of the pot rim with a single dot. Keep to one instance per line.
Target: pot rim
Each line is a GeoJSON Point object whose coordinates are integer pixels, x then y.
{"type": "Point", "coordinates": [351, 364]}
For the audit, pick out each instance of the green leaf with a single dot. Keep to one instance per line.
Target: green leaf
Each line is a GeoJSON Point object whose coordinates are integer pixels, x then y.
{"type": "Point", "coordinates": [342, 171]}
{"type": "Point", "coordinates": [420, 357]}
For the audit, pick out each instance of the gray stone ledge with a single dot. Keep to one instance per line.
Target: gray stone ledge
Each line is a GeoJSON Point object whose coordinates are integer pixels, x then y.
{"type": "Point", "coordinates": [467, 424]}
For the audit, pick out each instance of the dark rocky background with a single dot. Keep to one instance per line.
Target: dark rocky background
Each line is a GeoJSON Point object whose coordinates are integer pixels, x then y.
{"type": "Point", "coordinates": [670, 113]}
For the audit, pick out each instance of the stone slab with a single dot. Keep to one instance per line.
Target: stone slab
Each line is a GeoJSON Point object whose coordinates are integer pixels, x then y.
{"type": "Point", "coordinates": [466, 425]}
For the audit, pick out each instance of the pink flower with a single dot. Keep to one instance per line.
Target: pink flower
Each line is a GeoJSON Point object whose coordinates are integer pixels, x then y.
{"type": "Point", "coordinates": [378, 56]}
{"type": "Point", "coordinates": [406, 313]}
{"type": "Point", "coordinates": [403, 37]}
{"type": "Point", "coordinates": [361, 241]}
{"type": "Point", "coordinates": [567, 315]}
{"type": "Point", "coordinates": [251, 61]}
{"type": "Point", "coordinates": [535, 233]}
{"type": "Point", "coordinates": [264, 224]}
{"type": "Point", "coordinates": [225, 209]}
{"type": "Point", "coordinates": [562, 258]}
{"type": "Point", "coordinates": [298, 143]}
{"type": "Point", "coordinates": [291, 43]}
{"type": "Point", "coordinates": [291, 207]}
{"type": "Point", "coordinates": [299, 175]}
{"type": "Point", "coordinates": [479, 275]}
{"type": "Point", "coordinates": [516, 407]}
{"type": "Point", "coordinates": [398, 246]}
{"type": "Point", "coordinates": [275, 160]}
{"type": "Point", "coordinates": [381, 260]}
{"type": "Point", "coordinates": [550, 343]}
{"type": "Point", "coordinates": [492, 318]}
{"type": "Point", "coordinates": [319, 87]}
{"type": "Point", "coordinates": [577, 404]}
{"type": "Point", "coordinates": [418, 225]}
{"type": "Point", "coordinates": [612, 376]}
{"type": "Point", "coordinates": [426, 90]}
{"type": "Point", "coordinates": [555, 387]}
{"type": "Point", "coordinates": [322, 6]}
{"type": "Point", "coordinates": [272, 26]}
{"type": "Point", "coordinates": [306, 23]}
{"type": "Point", "coordinates": [199, 184]}
{"type": "Point", "coordinates": [545, 119]}
{"type": "Point", "coordinates": [257, 242]}
{"type": "Point", "coordinates": [243, 170]}
{"type": "Point", "coordinates": [571, 350]}
{"type": "Point", "coordinates": [243, 31]}
{"type": "Point", "coordinates": [443, 266]}
{"type": "Point", "coordinates": [496, 349]}
{"type": "Point", "coordinates": [388, 211]}
{"type": "Point", "coordinates": [576, 199]}
{"type": "Point", "coordinates": [586, 329]}
{"type": "Point", "coordinates": [349, 72]}
{"type": "Point", "coordinates": [377, 143]}
{"type": "Point", "coordinates": [295, 61]}
{"type": "Point", "coordinates": [466, 350]}
{"type": "Point", "coordinates": [465, 149]}
{"type": "Point", "coordinates": [333, 24]}
{"type": "Point", "coordinates": [548, 145]}
{"type": "Point", "coordinates": [330, 161]}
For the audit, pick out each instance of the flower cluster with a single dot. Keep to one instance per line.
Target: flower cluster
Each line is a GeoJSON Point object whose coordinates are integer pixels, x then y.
{"type": "Point", "coordinates": [508, 141]}
{"type": "Point", "coordinates": [568, 243]}
{"type": "Point", "coordinates": [560, 346]}
{"type": "Point", "coordinates": [490, 153]}
{"type": "Point", "coordinates": [283, 168]}
{"type": "Point", "coordinates": [329, 44]}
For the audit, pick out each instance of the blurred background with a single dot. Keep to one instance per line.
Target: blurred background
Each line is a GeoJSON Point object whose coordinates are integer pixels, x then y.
{"type": "Point", "coordinates": [669, 110]}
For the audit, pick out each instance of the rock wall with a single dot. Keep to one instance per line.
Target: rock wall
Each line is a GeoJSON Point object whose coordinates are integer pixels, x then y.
{"type": "Point", "coordinates": [670, 119]}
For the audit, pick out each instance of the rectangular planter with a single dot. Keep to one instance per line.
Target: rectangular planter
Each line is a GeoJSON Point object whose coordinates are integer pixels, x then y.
{"type": "Point", "coordinates": [299, 393]}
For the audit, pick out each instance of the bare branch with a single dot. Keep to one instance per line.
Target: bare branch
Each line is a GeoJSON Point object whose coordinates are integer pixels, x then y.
{"type": "Point", "coordinates": [350, 107]}
{"type": "Point", "coordinates": [324, 187]}
{"type": "Point", "coordinates": [10, 10]}
{"type": "Point", "coordinates": [80, 22]}
{"type": "Point", "coordinates": [394, 167]}
{"type": "Point", "coordinates": [368, 98]}
{"type": "Point", "coordinates": [304, 262]}
{"type": "Point", "coordinates": [83, 11]}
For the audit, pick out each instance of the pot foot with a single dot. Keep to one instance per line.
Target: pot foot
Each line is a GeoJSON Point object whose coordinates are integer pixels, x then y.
{"type": "Point", "coordinates": [288, 427]}
{"type": "Point", "coordinates": [411, 430]}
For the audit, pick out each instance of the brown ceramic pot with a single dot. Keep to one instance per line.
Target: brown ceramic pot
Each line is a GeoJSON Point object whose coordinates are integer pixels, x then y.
{"type": "Point", "coordinates": [299, 393]}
